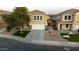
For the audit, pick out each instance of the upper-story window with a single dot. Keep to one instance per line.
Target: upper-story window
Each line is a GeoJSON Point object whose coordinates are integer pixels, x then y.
{"type": "Point", "coordinates": [34, 17]}
{"type": "Point", "coordinates": [40, 17]}
{"type": "Point", "coordinates": [67, 17]}
{"type": "Point", "coordinates": [37, 17]}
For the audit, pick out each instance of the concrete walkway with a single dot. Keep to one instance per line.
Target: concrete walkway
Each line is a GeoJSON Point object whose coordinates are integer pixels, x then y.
{"type": "Point", "coordinates": [53, 35]}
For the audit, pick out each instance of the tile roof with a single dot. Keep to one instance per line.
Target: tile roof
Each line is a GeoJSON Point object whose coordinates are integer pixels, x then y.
{"type": "Point", "coordinates": [69, 11]}
{"type": "Point", "coordinates": [2, 12]}
{"type": "Point", "coordinates": [37, 11]}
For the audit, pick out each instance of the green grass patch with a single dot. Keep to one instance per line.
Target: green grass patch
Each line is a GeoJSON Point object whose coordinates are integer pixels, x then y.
{"type": "Point", "coordinates": [73, 37]}
{"type": "Point", "coordinates": [23, 34]}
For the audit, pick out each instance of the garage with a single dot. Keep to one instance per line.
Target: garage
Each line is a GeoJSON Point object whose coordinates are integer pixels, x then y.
{"type": "Point", "coordinates": [38, 27]}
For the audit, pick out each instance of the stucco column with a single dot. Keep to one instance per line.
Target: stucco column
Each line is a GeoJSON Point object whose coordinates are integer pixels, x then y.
{"type": "Point", "coordinates": [58, 27]}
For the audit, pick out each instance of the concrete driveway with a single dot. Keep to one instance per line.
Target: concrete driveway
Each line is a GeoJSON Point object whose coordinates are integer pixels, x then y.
{"type": "Point", "coordinates": [35, 35]}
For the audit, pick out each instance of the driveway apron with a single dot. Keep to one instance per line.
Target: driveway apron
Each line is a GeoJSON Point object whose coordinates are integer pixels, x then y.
{"type": "Point", "coordinates": [35, 35]}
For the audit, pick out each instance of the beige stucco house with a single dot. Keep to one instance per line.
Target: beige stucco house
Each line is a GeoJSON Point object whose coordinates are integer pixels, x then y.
{"type": "Point", "coordinates": [38, 20]}
{"type": "Point", "coordinates": [68, 20]}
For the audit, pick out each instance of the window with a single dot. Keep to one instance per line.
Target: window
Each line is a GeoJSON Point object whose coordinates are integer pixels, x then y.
{"type": "Point", "coordinates": [40, 17]}
{"type": "Point", "coordinates": [37, 17]}
{"type": "Point", "coordinates": [34, 17]}
{"type": "Point", "coordinates": [65, 17]}
{"type": "Point", "coordinates": [66, 25]}
{"type": "Point", "coordinates": [69, 17]}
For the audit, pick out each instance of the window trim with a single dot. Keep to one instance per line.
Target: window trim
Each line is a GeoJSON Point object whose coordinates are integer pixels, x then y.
{"type": "Point", "coordinates": [67, 25]}
{"type": "Point", "coordinates": [34, 17]}
{"type": "Point", "coordinates": [40, 17]}
{"type": "Point", "coordinates": [67, 17]}
{"type": "Point", "coordinates": [70, 17]}
{"type": "Point", "coordinates": [37, 17]}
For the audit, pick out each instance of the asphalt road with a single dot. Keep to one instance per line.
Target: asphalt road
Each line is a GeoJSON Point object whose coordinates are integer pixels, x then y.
{"type": "Point", "coordinates": [13, 45]}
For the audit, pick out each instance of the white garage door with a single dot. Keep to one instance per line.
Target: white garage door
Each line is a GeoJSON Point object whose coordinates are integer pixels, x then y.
{"type": "Point", "coordinates": [38, 27]}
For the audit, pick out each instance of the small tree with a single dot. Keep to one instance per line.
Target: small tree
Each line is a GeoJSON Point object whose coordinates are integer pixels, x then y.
{"type": "Point", "coordinates": [18, 18]}
{"type": "Point", "coordinates": [21, 14]}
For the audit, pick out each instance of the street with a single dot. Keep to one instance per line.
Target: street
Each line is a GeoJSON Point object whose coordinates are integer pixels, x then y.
{"type": "Point", "coordinates": [13, 45]}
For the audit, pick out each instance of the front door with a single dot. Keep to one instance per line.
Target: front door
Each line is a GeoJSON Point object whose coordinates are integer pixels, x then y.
{"type": "Point", "coordinates": [70, 26]}
{"type": "Point", "coordinates": [60, 26]}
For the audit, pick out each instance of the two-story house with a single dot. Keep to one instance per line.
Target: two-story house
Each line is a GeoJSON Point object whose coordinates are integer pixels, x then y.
{"type": "Point", "coordinates": [38, 20]}
{"type": "Point", "coordinates": [68, 20]}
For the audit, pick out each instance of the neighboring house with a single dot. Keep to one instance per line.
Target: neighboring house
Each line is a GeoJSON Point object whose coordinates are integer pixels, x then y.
{"type": "Point", "coordinates": [68, 20]}
{"type": "Point", "coordinates": [38, 20]}
{"type": "Point", "coordinates": [3, 24]}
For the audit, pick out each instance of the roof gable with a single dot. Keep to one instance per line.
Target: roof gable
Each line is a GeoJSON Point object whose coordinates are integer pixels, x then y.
{"type": "Point", "coordinates": [37, 12]}
{"type": "Point", "coordinates": [70, 11]}
{"type": "Point", "coordinates": [3, 12]}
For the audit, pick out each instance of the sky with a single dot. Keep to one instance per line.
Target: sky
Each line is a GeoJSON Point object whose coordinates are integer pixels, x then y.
{"type": "Point", "coordinates": [48, 6]}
